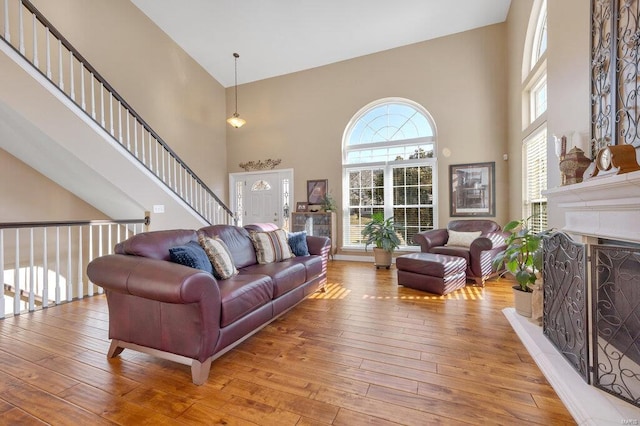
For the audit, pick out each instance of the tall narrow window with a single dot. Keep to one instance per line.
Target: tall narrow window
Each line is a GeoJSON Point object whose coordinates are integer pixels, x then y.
{"type": "Point", "coordinates": [534, 146]}
{"type": "Point", "coordinates": [390, 167]}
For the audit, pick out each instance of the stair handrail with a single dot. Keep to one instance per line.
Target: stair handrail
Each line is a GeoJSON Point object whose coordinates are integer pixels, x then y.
{"type": "Point", "coordinates": [43, 263]}
{"type": "Point", "coordinates": [198, 203]}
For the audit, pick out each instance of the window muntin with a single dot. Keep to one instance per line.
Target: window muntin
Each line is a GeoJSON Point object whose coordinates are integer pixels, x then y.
{"type": "Point", "coordinates": [389, 122]}
{"type": "Point", "coordinates": [389, 163]}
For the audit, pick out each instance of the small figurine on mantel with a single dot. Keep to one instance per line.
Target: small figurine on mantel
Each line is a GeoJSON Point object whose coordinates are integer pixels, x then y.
{"type": "Point", "coordinates": [572, 163]}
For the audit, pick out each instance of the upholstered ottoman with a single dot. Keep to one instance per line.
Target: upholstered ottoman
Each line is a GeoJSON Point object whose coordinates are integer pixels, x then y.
{"type": "Point", "coordinates": [435, 273]}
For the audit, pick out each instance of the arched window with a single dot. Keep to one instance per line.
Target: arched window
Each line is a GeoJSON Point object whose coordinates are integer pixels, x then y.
{"type": "Point", "coordinates": [389, 165]}
{"type": "Point", "coordinates": [534, 146]}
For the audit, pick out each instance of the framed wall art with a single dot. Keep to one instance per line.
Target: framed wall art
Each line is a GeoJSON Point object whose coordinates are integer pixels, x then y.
{"type": "Point", "coordinates": [316, 191]}
{"type": "Point", "coordinates": [472, 189]}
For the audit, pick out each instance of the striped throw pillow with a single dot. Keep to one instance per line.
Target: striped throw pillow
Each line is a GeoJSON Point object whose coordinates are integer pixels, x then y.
{"type": "Point", "coordinates": [272, 246]}
{"type": "Point", "coordinates": [219, 255]}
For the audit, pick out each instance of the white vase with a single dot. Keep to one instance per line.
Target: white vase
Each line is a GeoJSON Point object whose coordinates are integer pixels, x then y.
{"type": "Point", "coordinates": [382, 258]}
{"type": "Point", "coordinates": [522, 301]}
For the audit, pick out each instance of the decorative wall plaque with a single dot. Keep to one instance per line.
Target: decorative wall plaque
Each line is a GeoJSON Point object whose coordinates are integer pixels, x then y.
{"type": "Point", "coordinates": [267, 164]}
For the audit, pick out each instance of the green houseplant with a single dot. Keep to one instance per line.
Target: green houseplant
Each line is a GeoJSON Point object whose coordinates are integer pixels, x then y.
{"type": "Point", "coordinates": [382, 234]}
{"type": "Point", "coordinates": [328, 203]}
{"type": "Point", "coordinates": [523, 259]}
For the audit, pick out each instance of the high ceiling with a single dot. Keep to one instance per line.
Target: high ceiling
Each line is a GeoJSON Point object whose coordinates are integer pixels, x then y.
{"type": "Point", "coordinates": [277, 37]}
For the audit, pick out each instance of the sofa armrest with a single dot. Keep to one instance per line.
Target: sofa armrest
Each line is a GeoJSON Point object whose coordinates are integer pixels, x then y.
{"type": "Point", "coordinates": [483, 250]}
{"type": "Point", "coordinates": [429, 239]}
{"type": "Point", "coordinates": [494, 241]}
{"type": "Point", "coordinates": [160, 305]}
{"type": "Point", "coordinates": [318, 245]}
{"type": "Point", "coordinates": [153, 279]}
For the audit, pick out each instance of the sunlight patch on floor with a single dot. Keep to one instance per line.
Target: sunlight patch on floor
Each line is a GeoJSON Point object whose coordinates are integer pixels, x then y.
{"type": "Point", "coordinates": [466, 293]}
{"type": "Point", "coordinates": [331, 291]}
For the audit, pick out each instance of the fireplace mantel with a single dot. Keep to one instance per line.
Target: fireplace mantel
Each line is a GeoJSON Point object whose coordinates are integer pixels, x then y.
{"type": "Point", "coordinates": [605, 207]}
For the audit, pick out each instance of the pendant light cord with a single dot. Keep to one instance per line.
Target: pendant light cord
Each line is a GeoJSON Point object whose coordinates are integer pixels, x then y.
{"type": "Point", "coordinates": [236, 56]}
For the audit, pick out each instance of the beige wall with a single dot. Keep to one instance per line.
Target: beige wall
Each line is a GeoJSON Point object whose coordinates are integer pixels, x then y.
{"type": "Point", "coordinates": [301, 117]}
{"type": "Point", "coordinates": [567, 85]}
{"type": "Point", "coordinates": [173, 94]}
{"type": "Point", "coordinates": [28, 196]}
{"type": "Point", "coordinates": [568, 81]}
{"type": "Point", "coordinates": [470, 83]}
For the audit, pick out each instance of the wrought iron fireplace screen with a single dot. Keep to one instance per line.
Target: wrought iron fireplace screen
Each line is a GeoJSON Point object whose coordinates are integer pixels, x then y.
{"type": "Point", "coordinates": [609, 356]}
{"type": "Point", "coordinates": [615, 277]}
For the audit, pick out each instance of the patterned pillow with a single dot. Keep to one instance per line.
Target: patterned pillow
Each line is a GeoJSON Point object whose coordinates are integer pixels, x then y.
{"type": "Point", "coordinates": [298, 243]}
{"type": "Point", "coordinates": [462, 239]}
{"type": "Point", "coordinates": [219, 255]}
{"type": "Point", "coordinates": [272, 246]}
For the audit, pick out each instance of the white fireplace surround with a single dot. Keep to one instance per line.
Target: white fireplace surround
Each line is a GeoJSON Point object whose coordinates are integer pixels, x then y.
{"type": "Point", "coordinates": [604, 207]}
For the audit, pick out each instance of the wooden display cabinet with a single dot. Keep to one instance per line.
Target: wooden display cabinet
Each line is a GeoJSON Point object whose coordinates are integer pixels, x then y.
{"type": "Point", "coordinates": [316, 224]}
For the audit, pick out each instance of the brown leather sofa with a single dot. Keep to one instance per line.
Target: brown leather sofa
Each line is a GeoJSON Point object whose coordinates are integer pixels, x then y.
{"type": "Point", "coordinates": [479, 254]}
{"type": "Point", "coordinates": [185, 314]}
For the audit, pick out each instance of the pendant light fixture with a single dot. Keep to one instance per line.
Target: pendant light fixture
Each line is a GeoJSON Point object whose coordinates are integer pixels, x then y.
{"type": "Point", "coordinates": [235, 119]}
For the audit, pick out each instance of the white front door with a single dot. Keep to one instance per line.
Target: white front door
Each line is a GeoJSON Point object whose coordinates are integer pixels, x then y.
{"type": "Point", "coordinates": [262, 196]}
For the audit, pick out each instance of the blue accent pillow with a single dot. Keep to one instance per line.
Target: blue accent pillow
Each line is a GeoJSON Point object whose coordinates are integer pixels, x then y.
{"type": "Point", "coordinates": [191, 254]}
{"type": "Point", "coordinates": [298, 243]}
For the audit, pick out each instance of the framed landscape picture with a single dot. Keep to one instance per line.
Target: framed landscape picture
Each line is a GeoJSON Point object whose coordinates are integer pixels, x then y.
{"type": "Point", "coordinates": [472, 189]}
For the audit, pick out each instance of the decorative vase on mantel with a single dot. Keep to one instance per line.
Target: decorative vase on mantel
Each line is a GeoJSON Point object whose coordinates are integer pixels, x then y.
{"type": "Point", "coordinates": [573, 166]}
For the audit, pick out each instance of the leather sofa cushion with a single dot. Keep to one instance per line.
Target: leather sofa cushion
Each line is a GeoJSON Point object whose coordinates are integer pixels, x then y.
{"type": "Point", "coordinates": [469, 225]}
{"type": "Point", "coordinates": [286, 275]}
{"type": "Point", "coordinates": [155, 244]}
{"type": "Point", "coordinates": [462, 252]}
{"type": "Point", "coordinates": [432, 265]}
{"type": "Point", "coordinates": [242, 294]}
{"type": "Point", "coordinates": [313, 265]}
{"type": "Point", "coordinates": [237, 241]}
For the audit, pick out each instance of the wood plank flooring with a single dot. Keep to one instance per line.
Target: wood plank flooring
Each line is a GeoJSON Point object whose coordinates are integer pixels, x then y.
{"type": "Point", "coordinates": [365, 352]}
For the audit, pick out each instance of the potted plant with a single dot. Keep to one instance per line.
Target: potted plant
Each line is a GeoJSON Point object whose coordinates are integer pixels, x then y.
{"type": "Point", "coordinates": [523, 259]}
{"type": "Point", "coordinates": [381, 233]}
{"type": "Point", "coordinates": [328, 203]}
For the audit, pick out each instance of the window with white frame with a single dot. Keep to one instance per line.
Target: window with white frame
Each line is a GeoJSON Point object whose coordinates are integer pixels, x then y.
{"type": "Point", "coordinates": [538, 98]}
{"type": "Point", "coordinates": [534, 146]}
{"type": "Point", "coordinates": [390, 167]}
{"type": "Point", "coordinates": [535, 167]}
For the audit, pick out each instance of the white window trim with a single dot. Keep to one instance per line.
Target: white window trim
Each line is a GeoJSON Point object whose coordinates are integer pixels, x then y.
{"type": "Point", "coordinates": [386, 165]}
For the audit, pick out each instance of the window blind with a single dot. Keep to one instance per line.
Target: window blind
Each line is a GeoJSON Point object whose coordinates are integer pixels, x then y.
{"type": "Point", "coordinates": [535, 177]}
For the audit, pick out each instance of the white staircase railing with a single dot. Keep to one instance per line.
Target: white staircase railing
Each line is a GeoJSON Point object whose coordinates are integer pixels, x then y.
{"type": "Point", "coordinates": [30, 34]}
{"type": "Point", "coordinates": [43, 264]}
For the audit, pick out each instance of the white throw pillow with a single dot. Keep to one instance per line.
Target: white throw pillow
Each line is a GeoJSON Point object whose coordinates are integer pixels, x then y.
{"type": "Point", "coordinates": [462, 239]}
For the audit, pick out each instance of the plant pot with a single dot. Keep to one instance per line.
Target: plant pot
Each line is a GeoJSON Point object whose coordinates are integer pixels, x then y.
{"type": "Point", "coordinates": [382, 258]}
{"type": "Point", "coordinates": [522, 301]}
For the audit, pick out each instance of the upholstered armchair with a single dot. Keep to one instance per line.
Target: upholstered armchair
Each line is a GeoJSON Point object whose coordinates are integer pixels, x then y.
{"type": "Point", "coordinates": [478, 241]}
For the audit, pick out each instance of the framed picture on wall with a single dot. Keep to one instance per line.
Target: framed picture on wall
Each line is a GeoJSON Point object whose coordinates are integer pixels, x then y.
{"type": "Point", "coordinates": [471, 189]}
{"type": "Point", "coordinates": [316, 191]}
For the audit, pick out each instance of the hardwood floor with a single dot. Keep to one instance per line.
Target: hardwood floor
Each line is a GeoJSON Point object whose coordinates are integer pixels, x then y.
{"type": "Point", "coordinates": [365, 352]}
